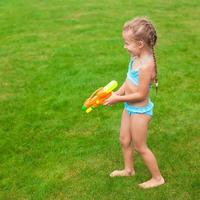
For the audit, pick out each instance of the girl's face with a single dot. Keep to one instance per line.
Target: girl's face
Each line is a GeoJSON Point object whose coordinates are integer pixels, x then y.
{"type": "Point", "coordinates": [132, 46]}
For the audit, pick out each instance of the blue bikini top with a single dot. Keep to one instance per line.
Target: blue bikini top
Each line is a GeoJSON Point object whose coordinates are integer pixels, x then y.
{"type": "Point", "coordinates": [133, 75]}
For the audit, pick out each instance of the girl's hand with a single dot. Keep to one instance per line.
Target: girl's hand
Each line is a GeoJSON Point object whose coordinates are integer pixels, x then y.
{"type": "Point", "coordinates": [114, 98]}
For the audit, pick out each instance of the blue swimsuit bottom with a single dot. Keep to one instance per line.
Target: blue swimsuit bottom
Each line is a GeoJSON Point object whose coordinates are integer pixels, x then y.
{"type": "Point", "coordinates": [147, 109]}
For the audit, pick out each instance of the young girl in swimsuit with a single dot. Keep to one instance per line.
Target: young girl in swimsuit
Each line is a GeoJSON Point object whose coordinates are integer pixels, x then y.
{"type": "Point", "coordinates": [139, 40]}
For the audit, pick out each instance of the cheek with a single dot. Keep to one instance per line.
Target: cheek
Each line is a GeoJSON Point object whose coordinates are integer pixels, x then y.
{"type": "Point", "coordinates": [132, 48]}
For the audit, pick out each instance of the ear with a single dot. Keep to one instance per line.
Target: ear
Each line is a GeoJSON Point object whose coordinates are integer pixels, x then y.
{"type": "Point", "coordinates": [140, 44]}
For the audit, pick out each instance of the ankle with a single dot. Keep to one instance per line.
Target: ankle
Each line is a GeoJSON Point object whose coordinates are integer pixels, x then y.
{"type": "Point", "coordinates": [157, 178]}
{"type": "Point", "coordinates": [128, 170]}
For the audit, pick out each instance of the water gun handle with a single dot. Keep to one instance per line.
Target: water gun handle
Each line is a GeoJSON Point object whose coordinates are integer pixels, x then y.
{"type": "Point", "coordinates": [94, 93]}
{"type": "Point", "coordinates": [99, 99]}
{"type": "Point", "coordinates": [91, 107]}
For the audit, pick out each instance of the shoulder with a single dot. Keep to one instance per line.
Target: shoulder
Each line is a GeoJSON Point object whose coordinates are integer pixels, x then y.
{"type": "Point", "coordinates": [148, 66]}
{"type": "Point", "coordinates": [147, 70]}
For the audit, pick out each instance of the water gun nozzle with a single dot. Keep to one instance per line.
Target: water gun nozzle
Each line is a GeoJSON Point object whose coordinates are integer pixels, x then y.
{"type": "Point", "coordinates": [84, 108]}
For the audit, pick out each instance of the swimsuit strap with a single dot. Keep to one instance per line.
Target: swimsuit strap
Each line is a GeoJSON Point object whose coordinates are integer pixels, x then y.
{"type": "Point", "coordinates": [144, 60]}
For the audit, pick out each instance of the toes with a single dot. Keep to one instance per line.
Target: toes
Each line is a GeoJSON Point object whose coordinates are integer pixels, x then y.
{"type": "Point", "coordinates": [121, 173]}
{"type": "Point", "coordinates": [114, 173]}
{"type": "Point", "coordinates": [142, 185]}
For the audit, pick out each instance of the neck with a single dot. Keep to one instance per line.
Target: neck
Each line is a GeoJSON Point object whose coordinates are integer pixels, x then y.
{"type": "Point", "coordinates": [145, 53]}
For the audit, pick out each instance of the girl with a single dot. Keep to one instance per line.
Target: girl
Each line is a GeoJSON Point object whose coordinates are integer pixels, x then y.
{"type": "Point", "coordinates": [139, 40]}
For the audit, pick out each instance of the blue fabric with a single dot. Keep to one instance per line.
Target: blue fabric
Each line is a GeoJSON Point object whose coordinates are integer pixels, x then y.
{"type": "Point", "coordinates": [148, 109]}
{"type": "Point", "coordinates": [133, 75]}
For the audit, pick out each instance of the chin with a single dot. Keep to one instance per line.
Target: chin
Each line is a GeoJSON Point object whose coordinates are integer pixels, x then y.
{"type": "Point", "coordinates": [132, 54]}
{"type": "Point", "coordinates": [136, 54]}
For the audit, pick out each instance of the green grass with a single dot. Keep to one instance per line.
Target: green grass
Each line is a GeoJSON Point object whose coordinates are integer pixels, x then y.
{"type": "Point", "coordinates": [53, 54]}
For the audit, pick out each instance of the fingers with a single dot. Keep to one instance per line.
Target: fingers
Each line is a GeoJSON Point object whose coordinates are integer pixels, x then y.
{"type": "Point", "coordinates": [106, 103]}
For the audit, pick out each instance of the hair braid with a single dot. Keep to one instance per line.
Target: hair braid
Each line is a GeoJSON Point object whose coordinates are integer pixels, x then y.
{"type": "Point", "coordinates": [153, 38]}
{"type": "Point", "coordinates": [156, 75]}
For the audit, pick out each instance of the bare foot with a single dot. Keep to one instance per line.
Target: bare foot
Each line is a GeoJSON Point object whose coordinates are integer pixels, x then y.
{"type": "Point", "coordinates": [152, 183]}
{"type": "Point", "coordinates": [122, 173]}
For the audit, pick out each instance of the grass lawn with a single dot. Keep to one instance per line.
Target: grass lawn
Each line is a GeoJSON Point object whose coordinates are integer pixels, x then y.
{"type": "Point", "coordinates": [53, 54]}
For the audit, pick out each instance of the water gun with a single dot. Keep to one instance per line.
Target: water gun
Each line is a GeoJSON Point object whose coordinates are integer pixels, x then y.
{"type": "Point", "coordinates": [99, 96]}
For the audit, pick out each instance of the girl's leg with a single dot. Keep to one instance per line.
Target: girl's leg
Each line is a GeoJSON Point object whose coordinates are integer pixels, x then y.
{"type": "Point", "coordinates": [126, 143]}
{"type": "Point", "coordinates": [139, 126]}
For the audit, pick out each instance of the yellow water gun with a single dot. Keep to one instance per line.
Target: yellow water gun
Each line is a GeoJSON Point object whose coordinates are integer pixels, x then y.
{"type": "Point", "coordinates": [99, 96]}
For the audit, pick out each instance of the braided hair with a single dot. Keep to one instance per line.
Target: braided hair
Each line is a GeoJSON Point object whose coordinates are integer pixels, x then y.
{"type": "Point", "coordinates": [143, 29]}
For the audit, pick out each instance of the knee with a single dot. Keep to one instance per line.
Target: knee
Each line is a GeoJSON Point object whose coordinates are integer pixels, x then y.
{"type": "Point", "coordinates": [125, 142]}
{"type": "Point", "coordinates": [141, 149]}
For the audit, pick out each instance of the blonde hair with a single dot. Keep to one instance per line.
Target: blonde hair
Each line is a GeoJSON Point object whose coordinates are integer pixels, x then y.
{"type": "Point", "coordinates": [142, 29]}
